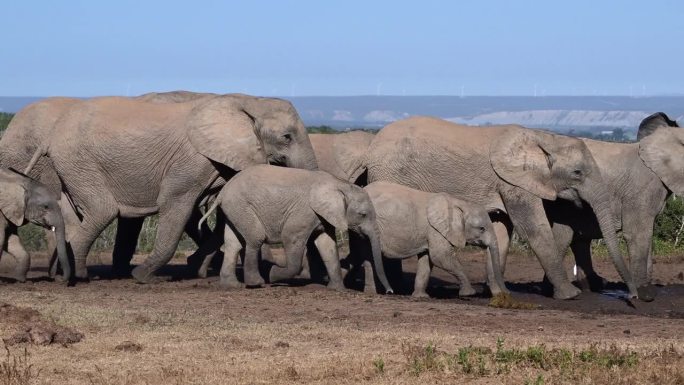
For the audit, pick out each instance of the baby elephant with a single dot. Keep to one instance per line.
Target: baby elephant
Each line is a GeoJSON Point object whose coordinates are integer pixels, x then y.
{"type": "Point", "coordinates": [432, 226]}
{"type": "Point", "coordinates": [270, 204]}
{"type": "Point", "coordinates": [23, 199]}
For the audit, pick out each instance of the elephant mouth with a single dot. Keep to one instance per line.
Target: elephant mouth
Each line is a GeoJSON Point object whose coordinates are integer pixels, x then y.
{"type": "Point", "coordinates": [277, 160]}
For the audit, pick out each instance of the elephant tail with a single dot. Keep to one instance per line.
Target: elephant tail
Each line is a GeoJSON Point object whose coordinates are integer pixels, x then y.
{"type": "Point", "coordinates": [36, 155]}
{"type": "Point", "coordinates": [206, 215]}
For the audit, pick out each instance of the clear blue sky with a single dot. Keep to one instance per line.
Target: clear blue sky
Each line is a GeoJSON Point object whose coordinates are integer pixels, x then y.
{"type": "Point", "coordinates": [288, 47]}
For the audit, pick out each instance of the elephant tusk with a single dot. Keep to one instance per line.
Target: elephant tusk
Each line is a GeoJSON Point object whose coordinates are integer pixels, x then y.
{"type": "Point", "coordinates": [52, 228]}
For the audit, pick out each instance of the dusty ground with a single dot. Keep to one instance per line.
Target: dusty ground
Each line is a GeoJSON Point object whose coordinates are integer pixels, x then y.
{"type": "Point", "coordinates": [189, 331]}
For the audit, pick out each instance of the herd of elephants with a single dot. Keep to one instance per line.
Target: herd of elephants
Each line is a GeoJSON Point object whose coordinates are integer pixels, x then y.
{"type": "Point", "coordinates": [420, 187]}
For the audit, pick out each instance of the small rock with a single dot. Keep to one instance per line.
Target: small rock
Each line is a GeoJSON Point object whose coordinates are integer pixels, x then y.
{"type": "Point", "coordinates": [128, 346]}
{"type": "Point", "coordinates": [281, 344]}
{"type": "Point", "coordinates": [601, 325]}
{"type": "Point", "coordinates": [681, 275]}
{"type": "Point", "coordinates": [627, 331]}
{"type": "Point", "coordinates": [540, 328]}
{"type": "Point", "coordinates": [396, 314]}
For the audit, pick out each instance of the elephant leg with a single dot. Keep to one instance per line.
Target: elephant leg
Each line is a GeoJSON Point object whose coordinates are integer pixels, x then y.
{"type": "Point", "coordinates": [422, 276]}
{"type": "Point", "coordinates": [327, 247]}
{"type": "Point", "coordinates": [638, 233]}
{"type": "Point", "coordinates": [208, 242]}
{"type": "Point", "coordinates": [20, 254]}
{"type": "Point", "coordinates": [231, 252]}
{"type": "Point", "coordinates": [169, 231]}
{"type": "Point", "coordinates": [581, 248]}
{"type": "Point", "coordinates": [503, 229]}
{"type": "Point", "coordinates": [83, 239]}
{"type": "Point", "coordinates": [127, 232]}
{"type": "Point", "coordinates": [563, 234]}
{"type": "Point", "coordinates": [452, 265]}
{"type": "Point", "coordinates": [529, 218]}
{"type": "Point", "coordinates": [294, 251]}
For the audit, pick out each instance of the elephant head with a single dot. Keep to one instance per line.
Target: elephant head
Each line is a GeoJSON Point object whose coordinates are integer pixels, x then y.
{"type": "Point", "coordinates": [661, 147]}
{"type": "Point", "coordinates": [554, 166]}
{"type": "Point", "coordinates": [24, 199]}
{"type": "Point", "coordinates": [348, 207]}
{"type": "Point", "coordinates": [462, 224]}
{"type": "Point", "coordinates": [240, 130]}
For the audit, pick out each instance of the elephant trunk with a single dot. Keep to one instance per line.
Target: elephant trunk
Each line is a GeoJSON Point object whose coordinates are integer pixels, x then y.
{"type": "Point", "coordinates": [493, 247]}
{"type": "Point", "coordinates": [304, 157]}
{"type": "Point", "coordinates": [376, 250]}
{"type": "Point", "coordinates": [597, 196]}
{"type": "Point", "coordinates": [62, 256]}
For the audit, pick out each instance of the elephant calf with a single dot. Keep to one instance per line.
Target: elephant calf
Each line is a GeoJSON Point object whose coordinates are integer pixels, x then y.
{"type": "Point", "coordinates": [432, 226]}
{"type": "Point", "coordinates": [23, 199]}
{"type": "Point", "coordinates": [270, 204]}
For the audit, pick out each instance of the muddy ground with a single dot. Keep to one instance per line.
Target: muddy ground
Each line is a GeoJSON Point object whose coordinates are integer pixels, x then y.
{"type": "Point", "coordinates": [190, 331]}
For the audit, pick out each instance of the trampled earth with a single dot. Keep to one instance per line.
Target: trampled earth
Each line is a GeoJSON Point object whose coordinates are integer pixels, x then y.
{"type": "Point", "coordinates": [190, 331]}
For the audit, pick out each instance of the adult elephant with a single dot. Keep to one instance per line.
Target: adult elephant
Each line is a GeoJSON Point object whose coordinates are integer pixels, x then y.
{"type": "Point", "coordinates": [639, 178]}
{"type": "Point", "coordinates": [342, 154]}
{"type": "Point", "coordinates": [508, 167]}
{"type": "Point", "coordinates": [132, 158]}
{"type": "Point", "coordinates": [30, 131]}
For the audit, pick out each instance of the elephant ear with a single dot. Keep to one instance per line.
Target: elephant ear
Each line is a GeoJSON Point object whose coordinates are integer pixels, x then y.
{"type": "Point", "coordinates": [349, 150]}
{"type": "Point", "coordinates": [12, 198]}
{"type": "Point", "coordinates": [652, 122]}
{"type": "Point", "coordinates": [224, 132]}
{"type": "Point", "coordinates": [328, 202]}
{"type": "Point", "coordinates": [446, 219]}
{"type": "Point", "coordinates": [519, 158]}
{"type": "Point", "coordinates": [663, 152]}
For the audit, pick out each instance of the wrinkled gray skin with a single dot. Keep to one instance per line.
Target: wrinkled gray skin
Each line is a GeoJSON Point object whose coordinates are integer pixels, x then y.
{"type": "Point", "coordinates": [267, 204]}
{"type": "Point", "coordinates": [639, 177]}
{"type": "Point", "coordinates": [164, 158]}
{"type": "Point", "coordinates": [23, 200]}
{"type": "Point", "coordinates": [506, 167]}
{"type": "Point", "coordinates": [432, 226]}
{"type": "Point", "coordinates": [30, 130]}
{"type": "Point", "coordinates": [342, 154]}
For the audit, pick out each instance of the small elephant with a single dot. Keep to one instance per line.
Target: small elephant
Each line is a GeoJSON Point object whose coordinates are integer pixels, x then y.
{"type": "Point", "coordinates": [432, 226]}
{"type": "Point", "coordinates": [270, 204]}
{"type": "Point", "coordinates": [23, 199]}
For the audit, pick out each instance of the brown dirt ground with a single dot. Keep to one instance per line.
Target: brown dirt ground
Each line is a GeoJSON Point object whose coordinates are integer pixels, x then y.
{"type": "Point", "coordinates": [189, 331]}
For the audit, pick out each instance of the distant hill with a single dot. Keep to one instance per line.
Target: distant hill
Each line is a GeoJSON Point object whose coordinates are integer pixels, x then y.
{"type": "Point", "coordinates": [560, 113]}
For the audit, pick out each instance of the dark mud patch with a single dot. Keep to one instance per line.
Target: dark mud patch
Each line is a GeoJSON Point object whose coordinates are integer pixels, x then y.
{"type": "Point", "coordinates": [28, 326]}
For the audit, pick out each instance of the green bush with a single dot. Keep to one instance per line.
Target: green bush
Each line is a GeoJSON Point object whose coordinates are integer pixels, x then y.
{"type": "Point", "coordinates": [4, 120]}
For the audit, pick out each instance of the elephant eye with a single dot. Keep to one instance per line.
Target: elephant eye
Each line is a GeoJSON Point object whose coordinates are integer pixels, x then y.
{"type": "Point", "coordinates": [577, 173]}
{"type": "Point", "coordinates": [482, 229]}
{"type": "Point", "coordinates": [287, 137]}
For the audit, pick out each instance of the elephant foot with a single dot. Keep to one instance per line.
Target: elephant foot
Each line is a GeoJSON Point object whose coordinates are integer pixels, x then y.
{"type": "Point", "coordinates": [566, 291]}
{"type": "Point", "coordinates": [596, 283]}
{"type": "Point", "coordinates": [466, 291]}
{"type": "Point", "coordinates": [254, 280]}
{"type": "Point", "coordinates": [279, 274]}
{"type": "Point", "coordinates": [420, 294]}
{"type": "Point", "coordinates": [230, 283]}
{"type": "Point", "coordinates": [201, 272]}
{"type": "Point", "coordinates": [142, 274]}
{"type": "Point", "coordinates": [647, 293]}
{"type": "Point", "coordinates": [338, 286]}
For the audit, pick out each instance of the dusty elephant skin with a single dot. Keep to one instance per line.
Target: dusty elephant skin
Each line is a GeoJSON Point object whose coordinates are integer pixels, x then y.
{"type": "Point", "coordinates": [268, 204]}
{"type": "Point", "coordinates": [23, 200]}
{"type": "Point", "coordinates": [342, 154]}
{"type": "Point", "coordinates": [639, 176]}
{"type": "Point", "coordinates": [162, 157]}
{"type": "Point", "coordinates": [507, 167]}
{"type": "Point", "coordinates": [433, 226]}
